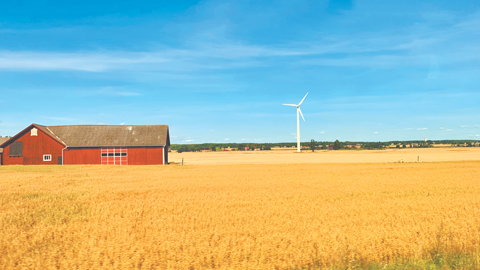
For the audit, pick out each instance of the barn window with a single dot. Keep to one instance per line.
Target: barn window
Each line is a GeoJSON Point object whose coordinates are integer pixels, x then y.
{"type": "Point", "coordinates": [33, 132]}
{"type": "Point", "coordinates": [114, 156]}
{"type": "Point", "coordinates": [47, 157]}
{"type": "Point", "coordinates": [16, 149]}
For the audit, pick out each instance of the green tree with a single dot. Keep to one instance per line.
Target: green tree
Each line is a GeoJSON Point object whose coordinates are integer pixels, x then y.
{"type": "Point", "coordinates": [182, 148]}
{"type": "Point", "coordinates": [312, 145]}
{"type": "Point", "coordinates": [336, 145]}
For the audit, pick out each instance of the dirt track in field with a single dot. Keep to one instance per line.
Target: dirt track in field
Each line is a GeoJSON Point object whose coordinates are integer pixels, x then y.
{"type": "Point", "coordinates": [342, 156]}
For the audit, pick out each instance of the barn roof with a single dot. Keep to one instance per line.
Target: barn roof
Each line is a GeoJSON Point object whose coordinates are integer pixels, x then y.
{"type": "Point", "coordinates": [111, 135]}
{"type": "Point", "coordinates": [108, 135]}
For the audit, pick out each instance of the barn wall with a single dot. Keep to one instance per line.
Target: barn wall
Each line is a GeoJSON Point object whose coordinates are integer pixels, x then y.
{"type": "Point", "coordinates": [145, 156]}
{"type": "Point", "coordinates": [34, 147]}
{"type": "Point", "coordinates": [136, 156]}
{"type": "Point", "coordinates": [154, 156]}
{"type": "Point", "coordinates": [81, 156]}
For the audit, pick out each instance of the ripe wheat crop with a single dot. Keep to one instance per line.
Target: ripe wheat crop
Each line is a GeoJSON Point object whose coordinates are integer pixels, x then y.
{"type": "Point", "coordinates": [235, 216]}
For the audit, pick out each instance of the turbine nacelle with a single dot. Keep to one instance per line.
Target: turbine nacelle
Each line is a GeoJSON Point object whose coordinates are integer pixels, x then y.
{"type": "Point", "coordinates": [298, 106]}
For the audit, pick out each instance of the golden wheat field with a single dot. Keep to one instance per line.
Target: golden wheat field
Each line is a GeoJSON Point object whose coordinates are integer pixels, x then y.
{"type": "Point", "coordinates": [324, 156]}
{"type": "Point", "coordinates": [235, 216]}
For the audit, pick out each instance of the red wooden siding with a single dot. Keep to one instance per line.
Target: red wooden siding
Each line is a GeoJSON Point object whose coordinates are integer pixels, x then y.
{"type": "Point", "coordinates": [34, 147]}
{"type": "Point", "coordinates": [81, 156]}
{"type": "Point", "coordinates": [135, 156]}
{"type": "Point", "coordinates": [154, 156]}
{"type": "Point", "coordinates": [145, 155]}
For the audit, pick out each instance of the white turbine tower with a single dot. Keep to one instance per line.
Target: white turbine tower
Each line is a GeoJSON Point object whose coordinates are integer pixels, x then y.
{"type": "Point", "coordinates": [298, 120]}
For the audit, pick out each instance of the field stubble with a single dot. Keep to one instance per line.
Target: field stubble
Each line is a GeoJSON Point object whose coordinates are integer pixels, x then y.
{"type": "Point", "coordinates": [272, 216]}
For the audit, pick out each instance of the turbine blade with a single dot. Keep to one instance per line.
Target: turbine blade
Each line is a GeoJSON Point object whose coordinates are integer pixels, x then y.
{"type": "Point", "coordinates": [290, 105]}
{"type": "Point", "coordinates": [301, 114]}
{"type": "Point", "coordinates": [302, 100]}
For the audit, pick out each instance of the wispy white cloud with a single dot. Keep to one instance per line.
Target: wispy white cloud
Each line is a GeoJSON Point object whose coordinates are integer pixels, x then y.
{"type": "Point", "coordinates": [422, 128]}
{"type": "Point", "coordinates": [212, 46]}
{"type": "Point", "coordinates": [111, 91]}
{"type": "Point", "coordinates": [368, 50]}
{"type": "Point", "coordinates": [80, 61]}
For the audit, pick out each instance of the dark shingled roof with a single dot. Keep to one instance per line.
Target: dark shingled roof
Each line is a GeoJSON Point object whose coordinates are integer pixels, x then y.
{"type": "Point", "coordinates": [109, 135]}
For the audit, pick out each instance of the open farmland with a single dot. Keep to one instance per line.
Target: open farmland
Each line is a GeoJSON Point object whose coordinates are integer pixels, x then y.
{"type": "Point", "coordinates": [324, 156]}
{"type": "Point", "coordinates": [236, 216]}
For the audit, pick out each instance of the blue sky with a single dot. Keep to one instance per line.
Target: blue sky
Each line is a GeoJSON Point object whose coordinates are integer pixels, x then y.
{"type": "Point", "coordinates": [218, 71]}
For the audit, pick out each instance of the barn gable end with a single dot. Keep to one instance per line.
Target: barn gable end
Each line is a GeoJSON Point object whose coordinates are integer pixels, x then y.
{"type": "Point", "coordinates": [31, 147]}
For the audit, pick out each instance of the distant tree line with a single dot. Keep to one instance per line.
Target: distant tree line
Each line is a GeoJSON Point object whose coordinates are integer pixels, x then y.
{"type": "Point", "coordinates": [220, 147]}
{"type": "Point", "coordinates": [317, 145]}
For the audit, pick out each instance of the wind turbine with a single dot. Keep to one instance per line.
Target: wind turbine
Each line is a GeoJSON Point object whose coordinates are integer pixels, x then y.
{"type": "Point", "coordinates": [298, 120]}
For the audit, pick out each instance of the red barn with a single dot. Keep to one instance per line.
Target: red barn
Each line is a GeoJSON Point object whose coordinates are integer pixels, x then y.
{"type": "Point", "coordinates": [88, 144]}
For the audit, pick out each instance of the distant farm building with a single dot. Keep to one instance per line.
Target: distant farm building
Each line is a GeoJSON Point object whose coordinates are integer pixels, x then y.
{"type": "Point", "coordinates": [358, 146]}
{"type": "Point", "coordinates": [88, 144]}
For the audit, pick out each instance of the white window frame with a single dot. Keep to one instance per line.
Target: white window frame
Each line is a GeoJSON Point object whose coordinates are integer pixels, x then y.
{"type": "Point", "coordinates": [34, 132]}
{"type": "Point", "coordinates": [47, 157]}
{"type": "Point", "coordinates": [117, 160]}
